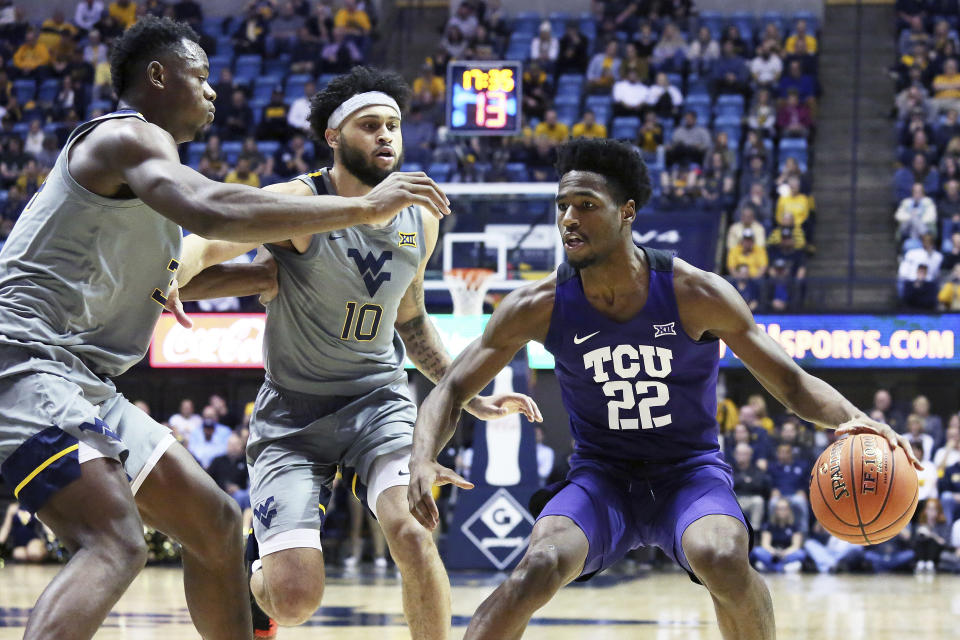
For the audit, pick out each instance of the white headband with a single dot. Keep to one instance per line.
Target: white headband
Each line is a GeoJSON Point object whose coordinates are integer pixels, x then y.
{"type": "Point", "coordinates": [357, 102]}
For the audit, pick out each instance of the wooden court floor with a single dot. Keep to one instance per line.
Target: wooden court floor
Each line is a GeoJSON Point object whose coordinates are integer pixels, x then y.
{"type": "Point", "coordinates": [659, 606]}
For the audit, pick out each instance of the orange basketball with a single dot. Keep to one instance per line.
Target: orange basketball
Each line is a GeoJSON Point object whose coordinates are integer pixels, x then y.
{"type": "Point", "coordinates": [861, 491]}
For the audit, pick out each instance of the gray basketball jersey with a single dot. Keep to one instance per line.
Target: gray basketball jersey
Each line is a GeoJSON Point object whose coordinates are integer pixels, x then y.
{"type": "Point", "coordinates": [330, 330]}
{"type": "Point", "coordinates": [86, 273]}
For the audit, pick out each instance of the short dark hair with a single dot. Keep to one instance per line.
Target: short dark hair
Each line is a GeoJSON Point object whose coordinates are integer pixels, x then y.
{"type": "Point", "coordinates": [143, 42]}
{"type": "Point", "coordinates": [344, 87]}
{"type": "Point", "coordinates": [619, 163]}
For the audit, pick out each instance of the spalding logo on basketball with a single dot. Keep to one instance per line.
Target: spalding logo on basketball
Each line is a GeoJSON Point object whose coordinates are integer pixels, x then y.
{"type": "Point", "coordinates": [863, 492]}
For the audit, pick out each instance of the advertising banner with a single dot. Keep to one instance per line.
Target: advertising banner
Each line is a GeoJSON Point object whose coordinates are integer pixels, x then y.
{"type": "Point", "coordinates": [235, 340]}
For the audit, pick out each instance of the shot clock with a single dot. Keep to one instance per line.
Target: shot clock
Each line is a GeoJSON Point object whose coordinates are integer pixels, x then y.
{"type": "Point", "coordinates": [483, 98]}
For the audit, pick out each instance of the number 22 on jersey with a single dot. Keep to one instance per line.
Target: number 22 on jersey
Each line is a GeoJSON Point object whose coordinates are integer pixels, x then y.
{"type": "Point", "coordinates": [627, 362]}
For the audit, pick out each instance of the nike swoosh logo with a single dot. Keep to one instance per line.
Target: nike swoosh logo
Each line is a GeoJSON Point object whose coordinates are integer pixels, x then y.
{"type": "Point", "coordinates": [577, 339]}
{"type": "Point", "coordinates": [334, 237]}
{"type": "Point", "coordinates": [403, 473]}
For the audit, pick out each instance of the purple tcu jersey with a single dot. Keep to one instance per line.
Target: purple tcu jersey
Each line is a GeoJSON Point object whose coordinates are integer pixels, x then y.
{"type": "Point", "coordinates": [640, 390]}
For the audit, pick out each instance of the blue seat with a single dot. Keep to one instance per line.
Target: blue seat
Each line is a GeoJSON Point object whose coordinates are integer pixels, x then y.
{"type": "Point", "coordinates": [517, 52]}
{"type": "Point", "coordinates": [104, 105]}
{"type": "Point", "coordinates": [231, 149]}
{"type": "Point", "coordinates": [727, 121]}
{"type": "Point", "coordinates": [588, 27]}
{"type": "Point", "coordinates": [48, 90]}
{"type": "Point", "coordinates": [813, 23]}
{"type": "Point", "coordinates": [625, 127]}
{"type": "Point", "coordinates": [603, 114]}
{"type": "Point", "coordinates": [263, 86]}
{"type": "Point", "coordinates": [217, 64]}
{"type": "Point", "coordinates": [247, 66]}
{"type": "Point", "coordinates": [700, 105]}
{"type": "Point", "coordinates": [268, 147]}
{"type": "Point", "coordinates": [570, 80]}
{"type": "Point", "coordinates": [567, 98]}
{"type": "Point", "coordinates": [278, 66]}
{"type": "Point", "coordinates": [946, 230]}
{"type": "Point", "coordinates": [775, 17]}
{"type": "Point", "coordinates": [194, 153]}
{"type": "Point", "coordinates": [712, 20]}
{"type": "Point", "coordinates": [728, 99]}
{"type": "Point", "coordinates": [295, 82]}
{"type": "Point", "coordinates": [212, 26]}
{"type": "Point", "coordinates": [595, 101]}
{"type": "Point", "coordinates": [729, 106]}
{"type": "Point", "coordinates": [801, 163]}
{"type": "Point", "coordinates": [440, 171]}
{"type": "Point", "coordinates": [225, 46]}
{"type": "Point", "coordinates": [324, 80]}
{"type": "Point", "coordinates": [731, 126]}
{"type": "Point", "coordinates": [794, 148]}
{"type": "Point", "coordinates": [24, 90]}
{"type": "Point", "coordinates": [568, 114]}
{"type": "Point", "coordinates": [411, 166]}
{"type": "Point", "coordinates": [517, 172]}
{"type": "Point", "coordinates": [256, 106]}
{"type": "Point", "coordinates": [793, 143]}
{"type": "Point", "coordinates": [527, 22]}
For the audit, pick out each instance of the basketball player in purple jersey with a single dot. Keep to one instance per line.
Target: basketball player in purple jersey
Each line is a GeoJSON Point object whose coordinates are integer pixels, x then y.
{"type": "Point", "coordinates": [634, 332]}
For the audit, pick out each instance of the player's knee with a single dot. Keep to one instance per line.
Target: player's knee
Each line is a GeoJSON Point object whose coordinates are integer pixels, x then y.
{"type": "Point", "coordinates": [539, 571]}
{"type": "Point", "coordinates": [719, 563]}
{"type": "Point", "coordinates": [226, 520]}
{"type": "Point", "coordinates": [218, 536]}
{"type": "Point", "coordinates": [125, 552]}
{"type": "Point", "coordinates": [410, 543]}
{"type": "Point", "coordinates": [294, 602]}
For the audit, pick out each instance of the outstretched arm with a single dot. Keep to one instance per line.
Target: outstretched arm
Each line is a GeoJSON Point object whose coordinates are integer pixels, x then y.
{"type": "Point", "coordinates": [708, 304]}
{"type": "Point", "coordinates": [144, 157]}
{"type": "Point", "coordinates": [425, 346]}
{"type": "Point", "coordinates": [524, 315]}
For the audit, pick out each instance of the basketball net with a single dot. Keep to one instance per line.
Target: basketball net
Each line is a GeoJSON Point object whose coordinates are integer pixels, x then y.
{"type": "Point", "coordinates": [468, 286]}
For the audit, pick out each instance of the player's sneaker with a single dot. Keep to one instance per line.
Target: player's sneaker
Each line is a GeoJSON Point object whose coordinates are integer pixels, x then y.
{"type": "Point", "coordinates": [263, 625]}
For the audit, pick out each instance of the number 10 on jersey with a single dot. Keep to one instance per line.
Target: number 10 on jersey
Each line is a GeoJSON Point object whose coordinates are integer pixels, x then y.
{"type": "Point", "coordinates": [362, 321]}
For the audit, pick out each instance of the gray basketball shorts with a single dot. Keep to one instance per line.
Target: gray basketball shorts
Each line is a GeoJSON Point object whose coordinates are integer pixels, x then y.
{"type": "Point", "coordinates": [298, 442]}
{"type": "Point", "coordinates": [50, 424]}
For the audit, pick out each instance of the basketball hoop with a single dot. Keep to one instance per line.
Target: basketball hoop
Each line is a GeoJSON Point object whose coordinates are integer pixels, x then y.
{"type": "Point", "coordinates": [468, 286]}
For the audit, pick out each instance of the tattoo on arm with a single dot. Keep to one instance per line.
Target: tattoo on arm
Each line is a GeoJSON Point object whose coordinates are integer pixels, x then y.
{"type": "Point", "coordinates": [424, 345]}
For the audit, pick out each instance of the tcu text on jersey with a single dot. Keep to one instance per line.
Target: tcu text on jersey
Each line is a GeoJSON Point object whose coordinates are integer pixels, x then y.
{"type": "Point", "coordinates": [627, 362]}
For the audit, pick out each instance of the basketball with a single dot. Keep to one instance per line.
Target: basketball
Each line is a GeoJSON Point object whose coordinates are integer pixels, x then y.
{"type": "Point", "coordinates": [861, 491]}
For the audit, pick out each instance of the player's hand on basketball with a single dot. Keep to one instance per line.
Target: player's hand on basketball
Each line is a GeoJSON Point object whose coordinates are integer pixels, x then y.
{"type": "Point", "coordinates": [175, 307]}
{"type": "Point", "coordinates": [867, 425]}
{"type": "Point", "coordinates": [424, 476]}
{"type": "Point", "coordinates": [401, 190]}
{"type": "Point", "coordinates": [504, 404]}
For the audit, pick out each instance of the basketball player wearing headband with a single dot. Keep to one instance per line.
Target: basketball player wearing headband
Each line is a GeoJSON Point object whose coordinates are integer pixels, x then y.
{"type": "Point", "coordinates": [349, 308]}
{"type": "Point", "coordinates": [84, 276]}
{"type": "Point", "coordinates": [634, 332]}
